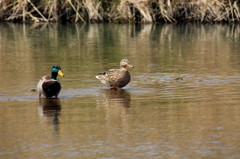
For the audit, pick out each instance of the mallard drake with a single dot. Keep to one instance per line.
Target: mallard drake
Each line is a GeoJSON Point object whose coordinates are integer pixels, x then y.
{"type": "Point", "coordinates": [50, 86]}
{"type": "Point", "coordinates": [116, 78]}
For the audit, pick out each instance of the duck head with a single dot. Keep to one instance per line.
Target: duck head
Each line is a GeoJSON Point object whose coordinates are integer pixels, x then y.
{"type": "Point", "coordinates": [56, 70]}
{"type": "Point", "coordinates": [125, 63]}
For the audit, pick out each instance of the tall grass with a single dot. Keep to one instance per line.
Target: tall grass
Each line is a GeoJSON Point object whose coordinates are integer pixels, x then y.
{"type": "Point", "coordinates": [133, 11]}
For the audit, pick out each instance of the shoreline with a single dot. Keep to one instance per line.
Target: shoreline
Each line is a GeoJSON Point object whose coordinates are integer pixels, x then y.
{"type": "Point", "coordinates": [121, 11]}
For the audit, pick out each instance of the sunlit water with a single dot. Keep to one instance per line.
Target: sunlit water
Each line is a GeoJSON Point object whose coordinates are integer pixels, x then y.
{"type": "Point", "coordinates": [183, 100]}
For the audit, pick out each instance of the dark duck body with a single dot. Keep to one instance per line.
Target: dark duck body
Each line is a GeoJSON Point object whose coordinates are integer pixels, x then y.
{"type": "Point", "coordinates": [116, 78]}
{"type": "Point", "coordinates": [50, 86]}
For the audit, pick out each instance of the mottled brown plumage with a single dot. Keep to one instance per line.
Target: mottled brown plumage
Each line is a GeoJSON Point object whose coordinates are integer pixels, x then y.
{"type": "Point", "coordinates": [116, 78]}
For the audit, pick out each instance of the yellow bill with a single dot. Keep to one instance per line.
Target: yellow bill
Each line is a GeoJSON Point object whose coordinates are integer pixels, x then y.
{"type": "Point", "coordinates": [60, 73]}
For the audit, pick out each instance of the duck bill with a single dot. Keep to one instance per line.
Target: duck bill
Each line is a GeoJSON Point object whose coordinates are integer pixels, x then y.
{"type": "Point", "coordinates": [131, 66]}
{"type": "Point", "coordinates": [60, 73]}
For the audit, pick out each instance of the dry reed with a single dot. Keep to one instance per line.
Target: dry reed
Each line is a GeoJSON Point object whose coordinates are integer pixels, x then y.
{"type": "Point", "coordinates": [133, 11]}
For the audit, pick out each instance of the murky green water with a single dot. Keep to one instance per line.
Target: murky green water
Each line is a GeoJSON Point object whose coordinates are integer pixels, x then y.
{"type": "Point", "coordinates": [183, 100]}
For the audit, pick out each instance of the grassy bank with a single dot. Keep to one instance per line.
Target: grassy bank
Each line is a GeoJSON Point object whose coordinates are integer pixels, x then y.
{"type": "Point", "coordinates": [120, 11]}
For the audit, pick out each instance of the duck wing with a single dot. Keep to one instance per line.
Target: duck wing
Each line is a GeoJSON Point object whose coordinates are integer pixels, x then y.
{"type": "Point", "coordinates": [115, 77]}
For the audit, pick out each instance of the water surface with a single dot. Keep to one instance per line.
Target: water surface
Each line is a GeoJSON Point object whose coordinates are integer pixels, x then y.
{"type": "Point", "coordinates": [182, 102]}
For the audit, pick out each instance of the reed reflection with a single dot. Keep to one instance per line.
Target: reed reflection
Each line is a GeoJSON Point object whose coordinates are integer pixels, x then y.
{"type": "Point", "coordinates": [50, 108]}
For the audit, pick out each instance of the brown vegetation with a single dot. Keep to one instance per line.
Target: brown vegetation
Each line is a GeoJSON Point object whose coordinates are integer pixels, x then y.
{"type": "Point", "coordinates": [133, 11]}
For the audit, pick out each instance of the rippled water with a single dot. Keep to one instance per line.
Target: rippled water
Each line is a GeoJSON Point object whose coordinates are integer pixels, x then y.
{"type": "Point", "coordinates": [182, 102]}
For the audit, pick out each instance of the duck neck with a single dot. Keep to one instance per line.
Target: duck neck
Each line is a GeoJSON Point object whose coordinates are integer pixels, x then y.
{"type": "Point", "coordinates": [54, 76]}
{"type": "Point", "coordinates": [123, 68]}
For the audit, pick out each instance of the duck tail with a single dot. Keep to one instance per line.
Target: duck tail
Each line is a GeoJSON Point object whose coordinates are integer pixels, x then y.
{"type": "Point", "coordinates": [98, 76]}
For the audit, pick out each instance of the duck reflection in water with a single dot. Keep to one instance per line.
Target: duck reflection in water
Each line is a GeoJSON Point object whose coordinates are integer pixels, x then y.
{"type": "Point", "coordinates": [115, 104]}
{"type": "Point", "coordinates": [116, 98]}
{"type": "Point", "coordinates": [50, 108]}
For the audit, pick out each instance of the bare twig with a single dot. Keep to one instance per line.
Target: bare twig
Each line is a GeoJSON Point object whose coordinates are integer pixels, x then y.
{"type": "Point", "coordinates": [70, 2]}
{"type": "Point", "coordinates": [29, 1]}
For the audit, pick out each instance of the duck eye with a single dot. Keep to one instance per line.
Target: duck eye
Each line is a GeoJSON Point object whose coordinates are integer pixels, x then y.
{"type": "Point", "coordinates": [55, 70]}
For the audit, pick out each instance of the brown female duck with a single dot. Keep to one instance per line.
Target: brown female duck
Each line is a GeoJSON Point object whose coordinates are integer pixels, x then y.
{"type": "Point", "coordinates": [116, 78]}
